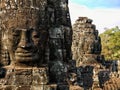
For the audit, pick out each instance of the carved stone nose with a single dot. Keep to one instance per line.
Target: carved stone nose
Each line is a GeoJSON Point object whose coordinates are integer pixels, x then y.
{"type": "Point", "coordinates": [24, 42]}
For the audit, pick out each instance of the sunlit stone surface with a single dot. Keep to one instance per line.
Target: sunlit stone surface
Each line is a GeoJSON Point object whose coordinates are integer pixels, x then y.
{"type": "Point", "coordinates": [35, 49]}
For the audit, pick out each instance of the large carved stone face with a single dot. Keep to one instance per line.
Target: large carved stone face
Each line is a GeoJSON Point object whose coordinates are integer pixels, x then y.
{"type": "Point", "coordinates": [24, 43]}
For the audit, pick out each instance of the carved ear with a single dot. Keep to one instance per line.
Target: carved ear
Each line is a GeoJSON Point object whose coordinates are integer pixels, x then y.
{"type": "Point", "coordinates": [5, 57]}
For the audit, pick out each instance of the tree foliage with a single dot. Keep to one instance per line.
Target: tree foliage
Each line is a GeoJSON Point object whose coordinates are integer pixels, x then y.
{"type": "Point", "coordinates": [111, 43]}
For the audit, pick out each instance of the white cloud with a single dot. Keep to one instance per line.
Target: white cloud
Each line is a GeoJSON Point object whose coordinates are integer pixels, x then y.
{"type": "Point", "coordinates": [102, 17]}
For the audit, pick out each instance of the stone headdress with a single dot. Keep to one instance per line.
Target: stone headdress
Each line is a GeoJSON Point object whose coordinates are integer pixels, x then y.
{"type": "Point", "coordinates": [22, 13]}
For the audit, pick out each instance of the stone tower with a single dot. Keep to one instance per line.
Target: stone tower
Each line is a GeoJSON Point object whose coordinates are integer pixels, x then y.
{"type": "Point", "coordinates": [86, 49]}
{"type": "Point", "coordinates": [35, 44]}
{"type": "Point", "coordinates": [86, 42]}
{"type": "Point", "coordinates": [91, 66]}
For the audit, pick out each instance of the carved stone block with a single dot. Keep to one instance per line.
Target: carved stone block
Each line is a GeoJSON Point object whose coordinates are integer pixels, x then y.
{"type": "Point", "coordinates": [40, 76]}
{"type": "Point", "coordinates": [44, 87]}
{"type": "Point", "coordinates": [38, 87]}
{"type": "Point", "coordinates": [1, 87]}
{"type": "Point", "coordinates": [9, 87]}
{"type": "Point", "coordinates": [23, 76]}
{"type": "Point", "coordinates": [23, 87]}
{"type": "Point", "coordinates": [10, 79]}
{"type": "Point", "coordinates": [62, 87]}
{"type": "Point", "coordinates": [58, 72]}
{"type": "Point", "coordinates": [52, 87]}
{"type": "Point", "coordinates": [75, 88]}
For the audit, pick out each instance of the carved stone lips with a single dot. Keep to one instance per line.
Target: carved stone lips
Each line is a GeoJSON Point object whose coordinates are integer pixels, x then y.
{"type": "Point", "coordinates": [24, 55]}
{"type": "Point", "coordinates": [20, 57]}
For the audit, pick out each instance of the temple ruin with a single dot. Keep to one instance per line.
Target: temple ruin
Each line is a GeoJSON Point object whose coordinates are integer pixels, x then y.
{"type": "Point", "coordinates": [36, 37]}
{"type": "Point", "coordinates": [94, 72]}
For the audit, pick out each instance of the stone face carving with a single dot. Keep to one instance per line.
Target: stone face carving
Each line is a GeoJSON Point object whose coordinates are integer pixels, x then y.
{"type": "Point", "coordinates": [23, 42]}
{"type": "Point", "coordinates": [23, 31]}
{"type": "Point", "coordinates": [35, 48]}
{"type": "Point", "coordinates": [24, 46]}
{"type": "Point", "coordinates": [60, 43]}
{"type": "Point", "coordinates": [59, 12]}
{"type": "Point", "coordinates": [60, 26]}
{"type": "Point", "coordinates": [34, 35]}
{"type": "Point", "coordinates": [85, 39]}
{"type": "Point", "coordinates": [57, 41]}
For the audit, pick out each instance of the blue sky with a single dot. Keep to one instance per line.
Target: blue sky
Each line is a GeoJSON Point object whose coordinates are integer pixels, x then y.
{"type": "Point", "coordinates": [98, 3]}
{"type": "Point", "coordinates": [104, 13]}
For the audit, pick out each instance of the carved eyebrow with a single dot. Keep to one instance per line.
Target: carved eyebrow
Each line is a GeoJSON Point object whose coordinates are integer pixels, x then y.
{"type": "Point", "coordinates": [21, 29]}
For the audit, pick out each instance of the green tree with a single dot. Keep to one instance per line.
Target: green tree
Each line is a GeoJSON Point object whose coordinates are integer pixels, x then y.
{"type": "Point", "coordinates": [111, 43]}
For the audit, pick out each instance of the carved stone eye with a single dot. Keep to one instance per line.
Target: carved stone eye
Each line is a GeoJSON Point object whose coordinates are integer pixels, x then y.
{"type": "Point", "coordinates": [15, 32]}
{"type": "Point", "coordinates": [35, 34]}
